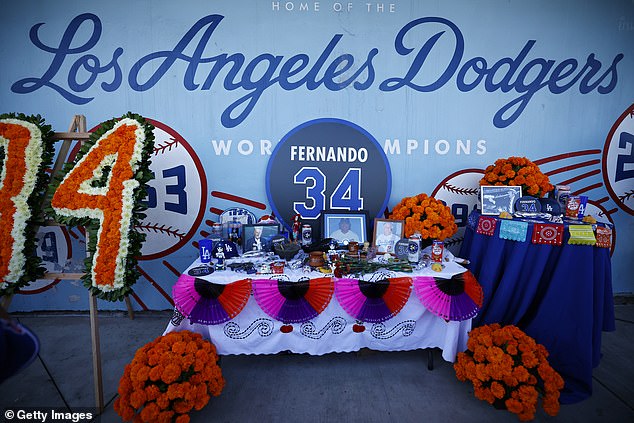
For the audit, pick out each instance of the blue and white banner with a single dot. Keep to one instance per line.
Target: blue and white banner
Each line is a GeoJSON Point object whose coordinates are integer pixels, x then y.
{"type": "Point", "coordinates": [423, 97]}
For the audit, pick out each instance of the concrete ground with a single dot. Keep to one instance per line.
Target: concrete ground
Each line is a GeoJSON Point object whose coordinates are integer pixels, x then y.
{"type": "Point", "coordinates": [366, 386]}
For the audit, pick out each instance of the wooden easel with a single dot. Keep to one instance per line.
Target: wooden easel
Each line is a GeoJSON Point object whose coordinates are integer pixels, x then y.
{"type": "Point", "coordinates": [77, 132]}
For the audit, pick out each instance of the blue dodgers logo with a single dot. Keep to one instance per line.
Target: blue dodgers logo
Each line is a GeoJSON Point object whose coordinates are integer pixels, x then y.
{"type": "Point", "coordinates": [618, 161]}
{"type": "Point", "coordinates": [260, 73]}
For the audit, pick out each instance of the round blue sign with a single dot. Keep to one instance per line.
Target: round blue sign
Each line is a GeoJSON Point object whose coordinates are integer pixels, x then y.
{"type": "Point", "coordinates": [327, 164]}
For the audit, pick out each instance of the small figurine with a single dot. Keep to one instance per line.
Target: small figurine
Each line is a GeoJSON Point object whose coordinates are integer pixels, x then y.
{"type": "Point", "coordinates": [296, 229]}
{"type": "Point", "coordinates": [220, 256]}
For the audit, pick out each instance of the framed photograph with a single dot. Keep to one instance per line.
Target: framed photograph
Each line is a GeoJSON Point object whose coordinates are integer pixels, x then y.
{"type": "Point", "coordinates": [258, 237]}
{"type": "Point", "coordinates": [498, 199]}
{"type": "Point", "coordinates": [345, 226]}
{"type": "Point", "coordinates": [387, 233]}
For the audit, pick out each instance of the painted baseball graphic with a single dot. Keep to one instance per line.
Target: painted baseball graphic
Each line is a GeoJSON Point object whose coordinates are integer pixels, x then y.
{"type": "Point", "coordinates": [460, 191]}
{"type": "Point", "coordinates": [177, 196]}
{"type": "Point", "coordinates": [55, 250]}
{"type": "Point", "coordinates": [618, 161]}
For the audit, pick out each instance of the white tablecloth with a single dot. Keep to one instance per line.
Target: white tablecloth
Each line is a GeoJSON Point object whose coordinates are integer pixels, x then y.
{"type": "Point", "coordinates": [254, 332]}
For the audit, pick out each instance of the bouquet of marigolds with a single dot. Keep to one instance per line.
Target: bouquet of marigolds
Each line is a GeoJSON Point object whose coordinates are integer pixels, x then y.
{"type": "Point", "coordinates": [518, 171]}
{"type": "Point", "coordinates": [168, 377]}
{"type": "Point", "coordinates": [425, 215]}
{"type": "Point", "coordinates": [509, 370]}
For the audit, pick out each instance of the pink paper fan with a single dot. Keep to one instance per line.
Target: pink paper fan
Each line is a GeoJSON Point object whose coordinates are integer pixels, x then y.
{"type": "Point", "coordinates": [293, 302]}
{"type": "Point", "coordinates": [373, 301]}
{"type": "Point", "coordinates": [210, 303]}
{"type": "Point", "coordinates": [456, 299]}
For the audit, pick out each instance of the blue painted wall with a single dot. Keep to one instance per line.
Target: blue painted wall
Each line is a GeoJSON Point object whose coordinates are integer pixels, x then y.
{"type": "Point", "coordinates": [444, 87]}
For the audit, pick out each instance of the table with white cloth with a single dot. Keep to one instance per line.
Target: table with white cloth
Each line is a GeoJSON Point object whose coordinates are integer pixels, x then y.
{"type": "Point", "coordinates": [253, 331]}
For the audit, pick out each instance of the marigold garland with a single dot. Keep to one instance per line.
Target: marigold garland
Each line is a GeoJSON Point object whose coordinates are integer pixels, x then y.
{"type": "Point", "coordinates": [26, 152]}
{"type": "Point", "coordinates": [425, 215]}
{"type": "Point", "coordinates": [169, 377]}
{"type": "Point", "coordinates": [518, 171]}
{"type": "Point", "coordinates": [103, 190]}
{"type": "Point", "coordinates": [510, 370]}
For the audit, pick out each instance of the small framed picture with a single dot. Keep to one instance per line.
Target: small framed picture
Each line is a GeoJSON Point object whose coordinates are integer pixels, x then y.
{"type": "Point", "coordinates": [345, 226]}
{"type": "Point", "coordinates": [498, 199]}
{"type": "Point", "coordinates": [386, 234]}
{"type": "Point", "coordinates": [258, 237]}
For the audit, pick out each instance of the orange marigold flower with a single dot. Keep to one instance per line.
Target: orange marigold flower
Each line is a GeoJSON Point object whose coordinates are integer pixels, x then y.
{"type": "Point", "coordinates": [152, 392]}
{"type": "Point", "coordinates": [137, 399]}
{"type": "Point", "coordinates": [165, 416]}
{"type": "Point", "coordinates": [182, 406]}
{"type": "Point", "coordinates": [513, 405]}
{"type": "Point", "coordinates": [150, 412]}
{"type": "Point", "coordinates": [155, 373]}
{"type": "Point", "coordinates": [124, 410]}
{"type": "Point", "coordinates": [171, 373]}
{"type": "Point", "coordinates": [183, 418]}
{"type": "Point", "coordinates": [179, 348]}
{"type": "Point", "coordinates": [497, 390]}
{"type": "Point", "coordinates": [163, 401]}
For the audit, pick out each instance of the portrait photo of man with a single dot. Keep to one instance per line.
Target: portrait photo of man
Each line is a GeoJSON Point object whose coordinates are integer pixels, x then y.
{"type": "Point", "coordinates": [258, 237]}
{"type": "Point", "coordinates": [386, 235]}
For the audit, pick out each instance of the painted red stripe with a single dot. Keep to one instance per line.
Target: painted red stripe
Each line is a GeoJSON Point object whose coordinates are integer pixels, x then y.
{"type": "Point", "coordinates": [582, 176]}
{"type": "Point", "coordinates": [215, 210]}
{"type": "Point", "coordinates": [73, 234]}
{"type": "Point", "coordinates": [237, 199]}
{"type": "Point", "coordinates": [603, 200]}
{"type": "Point", "coordinates": [138, 300]}
{"type": "Point", "coordinates": [204, 234]}
{"type": "Point", "coordinates": [573, 167]}
{"type": "Point", "coordinates": [209, 222]}
{"type": "Point", "coordinates": [155, 285]}
{"type": "Point", "coordinates": [609, 212]}
{"type": "Point", "coordinates": [588, 188]}
{"type": "Point", "coordinates": [566, 156]}
{"type": "Point", "coordinates": [172, 268]}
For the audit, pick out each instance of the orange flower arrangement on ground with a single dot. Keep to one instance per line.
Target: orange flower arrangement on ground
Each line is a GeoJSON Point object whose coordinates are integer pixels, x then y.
{"type": "Point", "coordinates": [509, 370]}
{"type": "Point", "coordinates": [518, 171]}
{"type": "Point", "coordinates": [425, 215]}
{"type": "Point", "coordinates": [169, 377]}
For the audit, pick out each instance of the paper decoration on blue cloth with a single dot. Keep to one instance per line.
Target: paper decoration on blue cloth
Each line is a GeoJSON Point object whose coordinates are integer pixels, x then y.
{"type": "Point", "coordinates": [513, 230]}
{"type": "Point", "coordinates": [604, 237]}
{"type": "Point", "coordinates": [581, 234]}
{"type": "Point", "coordinates": [486, 225]}
{"type": "Point", "coordinates": [546, 233]}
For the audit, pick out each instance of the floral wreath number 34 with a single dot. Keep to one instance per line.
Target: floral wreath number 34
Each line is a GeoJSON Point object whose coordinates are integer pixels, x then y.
{"type": "Point", "coordinates": [103, 190]}
{"type": "Point", "coordinates": [26, 151]}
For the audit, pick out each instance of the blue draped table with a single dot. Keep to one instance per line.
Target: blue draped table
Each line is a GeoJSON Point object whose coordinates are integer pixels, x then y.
{"type": "Point", "coordinates": [559, 295]}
